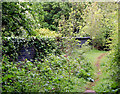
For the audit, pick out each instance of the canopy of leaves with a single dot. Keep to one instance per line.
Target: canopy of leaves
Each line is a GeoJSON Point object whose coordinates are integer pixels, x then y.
{"type": "Point", "coordinates": [100, 22]}
{"type": "Point", "coordinates": [19, 19]}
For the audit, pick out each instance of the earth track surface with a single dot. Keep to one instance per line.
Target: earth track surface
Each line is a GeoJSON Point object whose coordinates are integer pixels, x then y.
{"type": "Point", "coordinates": [97, 65]}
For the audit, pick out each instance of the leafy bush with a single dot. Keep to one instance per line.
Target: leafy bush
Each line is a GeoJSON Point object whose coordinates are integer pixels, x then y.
{"type": "Point", "coordinates": [55, 74]}
{"type": "Point", "coordinates": [21, 18]}
{"type": "Point", "coordinates": [114, 67]}
{"type": "Point", "coordinates": [45, 33]}
{"type": "Point", "coordinates": [114, 60]}
{"type": "Point", "coordinates": [42, 46]}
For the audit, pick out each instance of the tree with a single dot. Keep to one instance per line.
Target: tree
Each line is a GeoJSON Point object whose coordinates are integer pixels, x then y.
{"type": "Point", "coordinates": [66, 28]}
{"type": "Point", "coordinates": [74, 22]}
{"type": "Point", "coordinates": [52, 14]}
{"type": "Point", "coordinates": [19, 19]}
{"type": "Point", "coordinates": [99, 22]}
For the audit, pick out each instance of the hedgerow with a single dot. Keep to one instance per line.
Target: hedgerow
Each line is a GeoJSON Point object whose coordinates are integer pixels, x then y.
{"type": "Point", "coordinates": [42, 46]}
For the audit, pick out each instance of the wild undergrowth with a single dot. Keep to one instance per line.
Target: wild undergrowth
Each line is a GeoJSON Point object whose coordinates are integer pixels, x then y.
{"type": "Point", "coordinates": [105, 83]}
{"type": "Point", "coordinates": [55, 74]}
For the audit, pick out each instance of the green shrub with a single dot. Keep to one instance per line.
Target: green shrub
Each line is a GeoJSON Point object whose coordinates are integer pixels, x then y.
{"type": "Point", "coordinates": [114, 60]}
{"type": "Point", "coordinates": [114, 67]}
{"type": "Point", "coordinates": [55, 74]}
{"type": "Point", "coordinates": [42, 46]}
{"type": "Point", "coordinates": [45, 33]}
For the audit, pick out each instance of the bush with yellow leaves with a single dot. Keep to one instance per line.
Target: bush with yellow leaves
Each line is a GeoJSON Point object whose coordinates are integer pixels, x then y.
{"type": "Point", "coordinates": [45, 33]}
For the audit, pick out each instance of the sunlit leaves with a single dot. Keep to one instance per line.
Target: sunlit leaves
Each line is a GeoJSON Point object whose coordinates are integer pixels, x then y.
{"type": "Point", "coordinates": [45, 33]}
{"type": "Point", "coordinates": [98, 22]}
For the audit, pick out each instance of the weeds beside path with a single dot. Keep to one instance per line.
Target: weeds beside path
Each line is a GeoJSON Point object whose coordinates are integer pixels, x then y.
{"type": "Point", "coordinates": [97, 70]}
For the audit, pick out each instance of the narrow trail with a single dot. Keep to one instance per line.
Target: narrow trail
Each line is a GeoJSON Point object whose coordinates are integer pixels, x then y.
{"type": "Point", "coordinates": [98, 73]}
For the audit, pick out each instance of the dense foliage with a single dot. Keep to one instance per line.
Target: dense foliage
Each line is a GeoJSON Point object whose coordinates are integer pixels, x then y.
{"type": "Point", "coordinates": [42, 46]}
{"type": "Point", "coordinates": [53, 11]}
{"type": "Point", "coordinates": [50, 28]}
{"type": "Point", "coordinates": [115, 60]}
{"type": "Point", "coordinates": [100, 23]}
{"type": "Point", "coordinates": [52, 75]}
{"type": "Point", "coordinates": [20, 19]}
{"type": "Point", "coordinates": [42, 32]}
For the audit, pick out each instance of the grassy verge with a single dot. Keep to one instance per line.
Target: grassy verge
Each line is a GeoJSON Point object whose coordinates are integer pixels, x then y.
{"type": "Point", "coordinates": [104, 84]}
{"type": "Point", "coordinates": [91, 56]}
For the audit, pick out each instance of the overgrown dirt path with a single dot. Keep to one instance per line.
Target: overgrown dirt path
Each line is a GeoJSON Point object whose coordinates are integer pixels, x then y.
{"type": "Point", "coordinates": [98, 73]}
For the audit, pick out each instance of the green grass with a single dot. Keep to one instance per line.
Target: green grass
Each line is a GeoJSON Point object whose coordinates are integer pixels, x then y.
{"type": "Point", "coordinates": [93, 54]}
{"type": "Point", "coordinates": [92, 57]}
{"type": "Point", "coordinates": [104, 84]}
